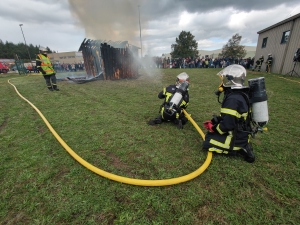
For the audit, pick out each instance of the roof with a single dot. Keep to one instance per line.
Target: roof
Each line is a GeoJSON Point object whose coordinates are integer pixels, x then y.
{"type": "Point", "coordinates": [280, 23]}
{"type": "Point", "coordinates": [7, 60]}
{"type": "Point", "coordinates": [115, 44]}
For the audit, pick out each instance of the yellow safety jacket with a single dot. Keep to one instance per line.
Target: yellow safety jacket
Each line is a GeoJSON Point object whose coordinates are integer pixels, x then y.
{"type": "Point", "coordinates": [46, 64]}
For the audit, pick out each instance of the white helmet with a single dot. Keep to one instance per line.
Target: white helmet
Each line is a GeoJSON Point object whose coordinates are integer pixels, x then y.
{"type": "Point", "coordinates": [42, 49]}
{"type": "Point", "coordinates": [182, 77]}
{"type": "Point", "coordinates": [233, 76]}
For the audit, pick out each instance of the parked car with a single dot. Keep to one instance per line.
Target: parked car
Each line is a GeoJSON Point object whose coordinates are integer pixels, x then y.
{"type": "Point", "coordinates": [3, 68]}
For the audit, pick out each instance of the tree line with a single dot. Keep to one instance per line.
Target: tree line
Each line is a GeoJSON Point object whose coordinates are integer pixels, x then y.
{"type": "Point", "coordinates": [186, 46]}
{"type": "Point", "coordinates": [8, 50]}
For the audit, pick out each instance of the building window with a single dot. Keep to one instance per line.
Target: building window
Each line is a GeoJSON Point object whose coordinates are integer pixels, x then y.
{"type": "Point", "coordinates": [285, 37]}
{"type": "Point", "coordinates": [264, 43]}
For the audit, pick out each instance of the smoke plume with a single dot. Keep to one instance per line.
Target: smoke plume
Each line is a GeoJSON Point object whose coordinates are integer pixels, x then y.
{"type": "Point", "coordinates": [113, 20]}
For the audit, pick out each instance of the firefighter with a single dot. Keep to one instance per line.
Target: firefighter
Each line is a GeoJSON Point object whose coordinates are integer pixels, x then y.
{"type": "Point", "coordinates": [176, 98]}
{"type": "Point", "coordinates": [229, 133]}
{"type": "Point", "coordinates": [258, 63]}
{"type": "Point", "coordinates": [269, 63]}
{"type": "Point", "coordinates": [45, 67]}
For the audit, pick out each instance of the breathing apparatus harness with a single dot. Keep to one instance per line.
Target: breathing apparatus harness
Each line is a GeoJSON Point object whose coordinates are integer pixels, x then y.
{"type": "Point", "coordinates": [173, 106]}
{"type": "Point", "coordinates": [256, 99]}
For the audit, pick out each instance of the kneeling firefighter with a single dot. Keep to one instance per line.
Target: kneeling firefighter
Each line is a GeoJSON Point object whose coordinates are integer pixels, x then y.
{"type": "Point", "coordinates": [243, 113]}
{"type": "Point", "coordinates": [176, 98]}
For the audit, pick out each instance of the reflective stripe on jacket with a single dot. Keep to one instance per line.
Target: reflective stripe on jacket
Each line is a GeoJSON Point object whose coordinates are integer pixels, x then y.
{"type": "Point", "coordinates": [269, 61]}
{"type": "Point", "coordinates": [234, 111]}
{"type": "Point", "coordinates": [46, 64]}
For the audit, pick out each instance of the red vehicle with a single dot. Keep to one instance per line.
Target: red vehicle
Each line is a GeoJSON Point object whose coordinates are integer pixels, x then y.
{"type": "Point", "coordinates": [3, 68]}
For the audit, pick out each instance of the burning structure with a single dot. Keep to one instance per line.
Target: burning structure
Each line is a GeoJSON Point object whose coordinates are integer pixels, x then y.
{"type": "Point", "coordinates": [109, 60]}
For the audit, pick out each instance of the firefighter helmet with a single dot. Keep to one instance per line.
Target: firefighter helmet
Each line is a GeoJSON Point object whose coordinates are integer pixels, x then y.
{"type": "Point", "coordinates": [42, 49]}
{"type": "Point", "coordinates": [182, 77]}
{"type": "Point", "coordinates": [233, 76]}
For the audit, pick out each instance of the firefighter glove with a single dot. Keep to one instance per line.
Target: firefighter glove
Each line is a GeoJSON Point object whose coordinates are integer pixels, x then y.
{"type": "Point", "coordinates": [216, 119]}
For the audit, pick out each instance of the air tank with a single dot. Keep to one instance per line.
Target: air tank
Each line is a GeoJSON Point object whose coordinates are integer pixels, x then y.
{"type": "Point", "coordinates": [178, 96]}
{"type": "Point", "coordinates": [258, 99]}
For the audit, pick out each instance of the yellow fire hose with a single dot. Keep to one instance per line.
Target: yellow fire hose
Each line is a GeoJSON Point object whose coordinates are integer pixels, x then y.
{"type": "Point", "coordinates": [121, 179]}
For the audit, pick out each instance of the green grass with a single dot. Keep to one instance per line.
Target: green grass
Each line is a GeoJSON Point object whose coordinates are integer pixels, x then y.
{"type": "Point", "coordinates": [104, 122]}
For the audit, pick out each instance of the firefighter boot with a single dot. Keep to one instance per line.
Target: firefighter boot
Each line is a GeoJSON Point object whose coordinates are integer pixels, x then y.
{"type": "Point", "coordinates": [55, 87]}
{"type": "Point", "coordinates": [247, 152]}
{"type": "Point", "coordinates": [179, 123]}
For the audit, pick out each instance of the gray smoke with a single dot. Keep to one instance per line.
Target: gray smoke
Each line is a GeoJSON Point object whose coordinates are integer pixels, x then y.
{"type": "Point", "coordinates": [109, 20]}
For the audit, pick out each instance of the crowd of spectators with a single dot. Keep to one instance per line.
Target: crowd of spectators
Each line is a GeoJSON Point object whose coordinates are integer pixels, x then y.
{"type": "Point", "coordinates": [59, 68]}
{"type": "Point", "coordinates": [67, 67]}
{"type": "Point", "coordinates": [202, 62]}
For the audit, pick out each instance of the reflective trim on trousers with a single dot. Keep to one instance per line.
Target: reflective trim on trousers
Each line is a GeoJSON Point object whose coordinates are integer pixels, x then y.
{"type": "Point", "coordinates": [225, 145]}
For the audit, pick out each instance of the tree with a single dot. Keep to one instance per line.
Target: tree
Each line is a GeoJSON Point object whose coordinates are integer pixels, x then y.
{"type": "Point", "coordinates": [185, 46]}
{"type": "Point", "coordinates": [8, 50]}
{"type": "Point", "coordinates": [233, 48]}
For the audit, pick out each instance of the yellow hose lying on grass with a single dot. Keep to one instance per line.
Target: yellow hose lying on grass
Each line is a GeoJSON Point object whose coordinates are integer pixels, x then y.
{"type": "Point", "coordinates": [121, 179]}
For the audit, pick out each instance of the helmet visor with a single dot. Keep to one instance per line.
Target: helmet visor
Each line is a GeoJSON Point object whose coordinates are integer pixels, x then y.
{"type": "Point", "coordinates": [233, 76]}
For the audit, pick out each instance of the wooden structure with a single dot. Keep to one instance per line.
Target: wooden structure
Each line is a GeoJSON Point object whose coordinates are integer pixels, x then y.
{"type": "Point", "coordinates": [110, 60]}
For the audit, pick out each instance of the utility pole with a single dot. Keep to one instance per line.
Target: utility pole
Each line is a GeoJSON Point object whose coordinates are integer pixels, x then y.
{"type": "Point", "coordinates": [140, 33]}
{"type": "Point", "coordinates": [26, 45]}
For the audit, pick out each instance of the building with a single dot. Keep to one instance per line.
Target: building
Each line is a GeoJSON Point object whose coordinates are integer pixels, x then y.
{"type": "Point", "coordinates": [282, 40]}
{"type": "Point", "coordinates": [66, 57]}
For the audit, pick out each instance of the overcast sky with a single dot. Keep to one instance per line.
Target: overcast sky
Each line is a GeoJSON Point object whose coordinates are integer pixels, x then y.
{"type": "Point", "coordinates": [62, 25]}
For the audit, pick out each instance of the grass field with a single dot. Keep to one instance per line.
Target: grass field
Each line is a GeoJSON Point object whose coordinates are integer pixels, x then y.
{"type": "Point", "coordinates": [104, 122]}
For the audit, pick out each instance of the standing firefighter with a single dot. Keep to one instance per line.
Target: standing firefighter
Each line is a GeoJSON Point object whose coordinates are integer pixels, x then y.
{"type": "Point", "coordinates": [230, 132]}
{"type": "Point", "coordinates": [269, 63]}
{"type": "Point", "coordinates": [258, 63]}
{"type": "Point", "coordinates": [176, 98]}
{"type": "Point", "coordinates": [45, 67]}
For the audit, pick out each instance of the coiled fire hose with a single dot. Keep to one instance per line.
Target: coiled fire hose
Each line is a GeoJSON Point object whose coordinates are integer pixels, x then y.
{"type": "Point", "coordinates": [126, 180]}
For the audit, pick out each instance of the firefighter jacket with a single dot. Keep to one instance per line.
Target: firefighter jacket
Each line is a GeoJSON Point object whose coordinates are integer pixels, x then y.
{"type": "Point", "coordinates": [44, 65]}
{"type": "Point", "coordinates": [230, 131]}
{"type": "Point", "coordinates": [260, 61]}
{"type": "Point", "coordinates": [167, 94]}
{"type": "Point", "coordinates": [269, 60]}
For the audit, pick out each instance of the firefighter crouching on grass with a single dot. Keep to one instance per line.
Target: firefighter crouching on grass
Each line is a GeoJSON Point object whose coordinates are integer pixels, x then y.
{"type": "Point", "coordinates": [176, 98]}
{"type": "Point", "coordinates": [259, 63]}
{"type": "Point", "coordinates": [229, 133]}
{"type": "Point", "coordinates": [269, 63]}
{"type": "Point", "coordinates": [45, 67]}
